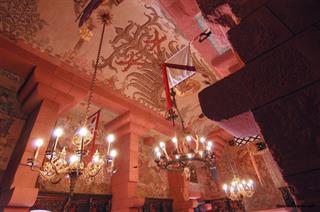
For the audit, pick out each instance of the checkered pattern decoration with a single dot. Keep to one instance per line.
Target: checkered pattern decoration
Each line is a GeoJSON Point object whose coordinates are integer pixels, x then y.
{"type": "Point", "coordinates": [245, 140]}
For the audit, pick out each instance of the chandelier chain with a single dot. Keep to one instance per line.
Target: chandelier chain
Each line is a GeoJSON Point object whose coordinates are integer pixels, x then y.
{"type": "Point", "coordinates": [94, 75]}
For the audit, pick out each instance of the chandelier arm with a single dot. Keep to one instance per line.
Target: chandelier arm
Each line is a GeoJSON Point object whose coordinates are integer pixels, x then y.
{"type": "Point", "coordinates": [56, 182]}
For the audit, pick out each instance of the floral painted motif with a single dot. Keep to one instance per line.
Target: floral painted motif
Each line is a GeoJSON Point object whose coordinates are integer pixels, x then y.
{"type": "Point", "coordinates": [20, 18]}
{"type": "Point", "coordinates": [153, 182]}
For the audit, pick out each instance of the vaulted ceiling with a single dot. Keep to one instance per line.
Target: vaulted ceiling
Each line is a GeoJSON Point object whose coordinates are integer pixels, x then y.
{"type": "Point", "coordinates": [139, 37]}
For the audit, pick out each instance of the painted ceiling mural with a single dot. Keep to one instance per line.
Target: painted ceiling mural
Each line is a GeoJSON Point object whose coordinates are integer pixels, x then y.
{"type": "Point", "coordinates": [138, 39]}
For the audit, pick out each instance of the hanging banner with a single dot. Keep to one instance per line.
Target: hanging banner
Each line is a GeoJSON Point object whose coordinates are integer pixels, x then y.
{"type": "Point", "coordinates": [180, 66]}
{"type": "Point", "coordinates": [92, 123]}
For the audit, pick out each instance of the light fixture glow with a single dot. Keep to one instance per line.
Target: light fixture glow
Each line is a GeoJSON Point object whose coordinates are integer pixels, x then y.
{"type": "Point", "coordinates": [188, 138]}
{"type": "Point", "coordinates": [39, 142]}
{"type": "Point", "coordinates": [83, 131]}
{"type": "Point", "coordinates": [225, 187]}
{"type": "Point", "coordinates": [113, 153]}
{"type": "Point", "coordinates": [111, 138]}
{"type": "Point", "coordinates": [157, 149]}
{"type": "Point", "coordinates": [174, 140]}
{"type": "Point", "coordinates": [58, 132]}
{"type": "Point", "coordinates": [162, 144]}
{"type": "Point", "coordinates": [96, 159]}
{"type": "Point", "coordinates": [73, 159]}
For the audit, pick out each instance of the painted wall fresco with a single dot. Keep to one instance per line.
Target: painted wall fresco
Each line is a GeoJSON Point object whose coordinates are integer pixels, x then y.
{"type": "Point", "coordinates": [11, 118]}
{"type": "Point", "coordinates": [139, 38]}
{"type": "Point", "coordinates": [70, 122]}
{"type": "Point", "coordinates": [206, 185]}
{"type": "Point", "coordinates": [237, 160]}
{"type": "Point", "coordinates": [153, 182]}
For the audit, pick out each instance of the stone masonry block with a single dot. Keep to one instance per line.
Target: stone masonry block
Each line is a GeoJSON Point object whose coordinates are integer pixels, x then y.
{"type": "Point", "coordinates": [257, 33]}
{"type": "Point", "coordinates": [296, 14]}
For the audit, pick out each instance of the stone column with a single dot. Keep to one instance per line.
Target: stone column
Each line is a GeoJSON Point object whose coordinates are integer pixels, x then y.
{"type": "Point", "coordinates": [18, 187]}
{"type": "Point", "coordinates": [179, 192]}
{"type": "Point", "coordinates": [128, 131]}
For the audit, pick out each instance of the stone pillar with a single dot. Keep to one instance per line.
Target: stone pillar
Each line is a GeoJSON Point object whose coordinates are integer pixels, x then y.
{"type": "Point", "coordinates": [179, 192]}
{"type": "Point", "coordinates": [277, 93]}
{"type": "Point", "coordinates": [18, 187]}
{"type": "Point", "coordinates": [128, 131]}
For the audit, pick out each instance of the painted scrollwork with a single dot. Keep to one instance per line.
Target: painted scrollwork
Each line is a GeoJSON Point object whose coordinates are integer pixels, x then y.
{"type": "Point", "coordinates": [20, 18]}
{"type": "Point", "coordinates": [140, 46]}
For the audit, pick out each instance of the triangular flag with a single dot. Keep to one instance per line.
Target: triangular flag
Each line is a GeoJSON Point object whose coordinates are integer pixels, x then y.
{"type": "Point", "coordinates": [93, 122]}
{"type": "Point", "coordinates": [180, 66]}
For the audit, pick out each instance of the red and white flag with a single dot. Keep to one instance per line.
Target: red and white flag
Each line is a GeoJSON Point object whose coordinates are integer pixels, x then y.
{"type": "Point", "coordinates": [180, 66]}
{"type": "Point", "coordinates": [176, 69]}
{"type": "Point", "coordinates": [93, 122]}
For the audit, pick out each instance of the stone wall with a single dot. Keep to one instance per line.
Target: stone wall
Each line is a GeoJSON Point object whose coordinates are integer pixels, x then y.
{"type": "Point", "coordinates": [153, 181]}
{"type": "Point", "coordinates": [12, 119]}
{"type": "Point", "coordinates": [236, 160]}
{"type": "Point", "coordinates": [280, 43]}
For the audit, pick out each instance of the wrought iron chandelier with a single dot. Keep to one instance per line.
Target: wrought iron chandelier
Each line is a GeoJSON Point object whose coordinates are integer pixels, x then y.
{"type": "Point", "coordinates": [238, 189]}
{"type": "Point", "coordinates": [56, 165]}
{"type": "Point", "coordinates": [190, 150]}
{"type": "Point", "coordinates": [186, 151]}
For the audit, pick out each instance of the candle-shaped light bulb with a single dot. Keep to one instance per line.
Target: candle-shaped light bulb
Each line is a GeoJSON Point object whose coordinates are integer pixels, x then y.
{"type": "Point", "coordinates": [73, 159]}
{"type": "Point", "coordinates": [157, 149]}
{"type": "Point", "coordinates": [58, 132]}
{"type": "Point", "coordinates": [110, 139]}
{"type": "Point", "coordinates": [158, 154]}
{"type": "Point", "coordinates": [225, 187]}
{"type": "Point", "coordinates": [113, 153]}
{"type": "Point", "coordinates": [174, 140]}
{"type": "Point", "coordinates": [202, 140]}
{"type": "Point", "coordinates": [38, 143]}
{"type": "Point", "coordinates": [209, 145]}
{"type": "Point", "coordinates": [189, 155]}
{"type": "Point", "coordinates": [162, 144]}
{"type": "Point", "coordinates": [188, 138]}
{"type": "Point", "coordinates": [163, 147]}
{"type": "Point", "coordinates": [177, 157]}
{"type": "Point", "coordinates": [83, 131]}
{"type": "Point", "coordinates": [201, 153]}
